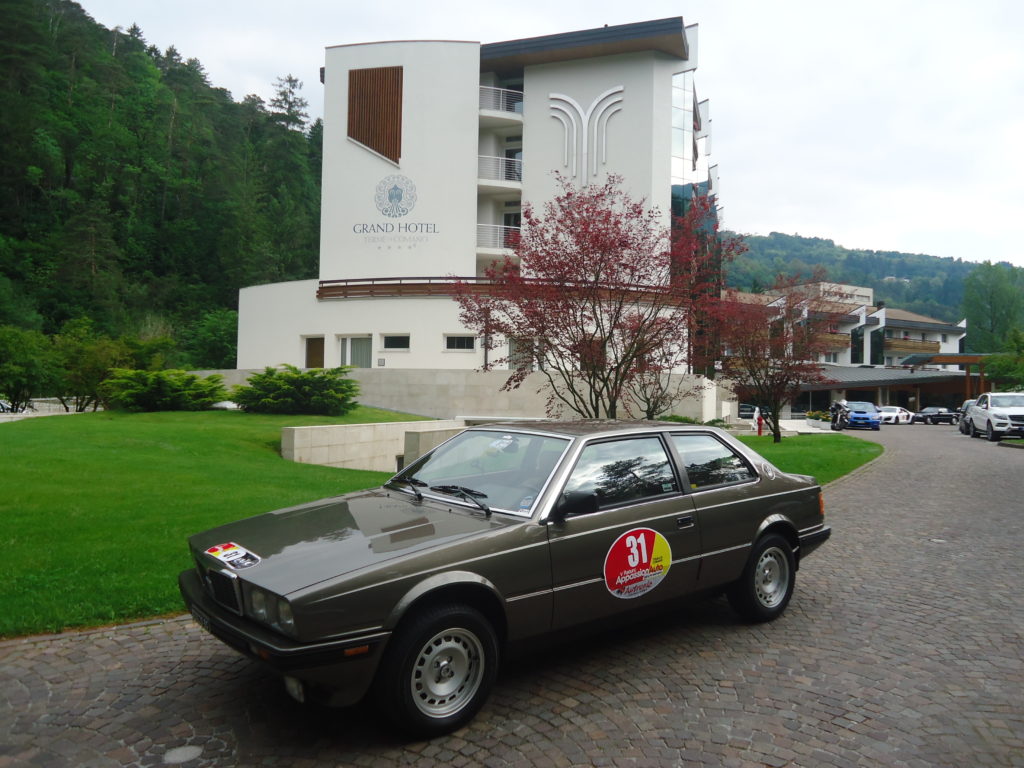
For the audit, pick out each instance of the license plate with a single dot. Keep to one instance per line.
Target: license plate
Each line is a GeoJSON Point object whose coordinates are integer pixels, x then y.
{"type": "Point", "coordinates": [201, 619]}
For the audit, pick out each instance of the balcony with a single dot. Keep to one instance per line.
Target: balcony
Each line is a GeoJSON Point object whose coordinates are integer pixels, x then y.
{"type": "Point", "coordinates": [499, 169]}
{"type": "Point", "coordinates": [911, 347]}
{"type": "Point", "coordinates": [493, 236]}
{"type": "Point", "coordinates": [500, 107]}
{"type": "Point", "coordinates": [499, 175]}
{"type": "Point", "coordinates": [835, 340]}
{"type": "Point", "coordinates": [501, 100]}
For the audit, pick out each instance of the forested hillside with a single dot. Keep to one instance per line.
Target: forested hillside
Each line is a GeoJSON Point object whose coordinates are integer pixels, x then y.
{"type": "Point", "coordinates": [928, 285]}
{"type": "Point", "coordinates": [132, 190]}
{"type": "Point", "coordinates": [136, 198]}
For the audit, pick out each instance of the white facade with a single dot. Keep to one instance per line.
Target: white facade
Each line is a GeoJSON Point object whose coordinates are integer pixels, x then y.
{"type": "Point", "coordinates": [481, 130]}
{"type": "Point", "coordinates": [878, 335]}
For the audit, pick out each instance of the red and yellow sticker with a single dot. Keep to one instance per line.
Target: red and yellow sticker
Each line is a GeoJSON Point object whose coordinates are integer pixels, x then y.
{"type": "Point", "coordinates": [636, 563]}
{"type": "Point", "coordinates": [234, 555]}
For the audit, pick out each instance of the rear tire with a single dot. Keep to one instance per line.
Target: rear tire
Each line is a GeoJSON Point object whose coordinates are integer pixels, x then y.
{"type": "Point", "coordinates": [763, 591]}
{"type": "Point", "coordinates": [972, 430]}
{"type": "Point", "coordinates": [438, 670]}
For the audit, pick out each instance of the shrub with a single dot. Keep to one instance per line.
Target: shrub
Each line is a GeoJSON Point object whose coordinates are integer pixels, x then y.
{"type": "Point", "coordinates": [689, 420]}
{"type": "Point", "coordinates": [288, 390]}
{"type": "Point", "coordinates": [134, 390]}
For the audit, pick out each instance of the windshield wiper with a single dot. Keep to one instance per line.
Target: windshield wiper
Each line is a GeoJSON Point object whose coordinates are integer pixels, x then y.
{"type": "Point", "coordinates": [466, 494]}
{"type": "Point", "coordinates": [412, 482]}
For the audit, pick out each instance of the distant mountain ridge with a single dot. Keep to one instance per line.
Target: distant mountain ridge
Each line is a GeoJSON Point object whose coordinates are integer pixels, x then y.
{"type": "Point", "coordinates": [927, 285]}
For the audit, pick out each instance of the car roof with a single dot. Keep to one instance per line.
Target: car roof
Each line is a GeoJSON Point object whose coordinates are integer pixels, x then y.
{"type": "Point", "coordinates": [588, 427]}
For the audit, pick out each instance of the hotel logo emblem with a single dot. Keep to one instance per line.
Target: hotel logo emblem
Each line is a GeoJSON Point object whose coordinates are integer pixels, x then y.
{"type": "Point", "coordinates": [396, 196]}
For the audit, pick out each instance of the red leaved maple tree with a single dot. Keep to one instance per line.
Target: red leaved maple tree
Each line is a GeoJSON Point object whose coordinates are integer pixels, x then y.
{"type": "Point", "coordinates": [598, 297]}
{"type": "Point", "coordinates": [772, 343]}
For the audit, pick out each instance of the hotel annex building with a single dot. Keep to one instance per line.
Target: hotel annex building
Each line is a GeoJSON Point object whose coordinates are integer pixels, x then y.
{"type": "Point", "coordinates": [430, 150]}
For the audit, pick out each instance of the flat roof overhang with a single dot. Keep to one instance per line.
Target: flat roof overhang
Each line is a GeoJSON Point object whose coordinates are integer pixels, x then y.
{"type": "Point", "coordinates": [664, 35]}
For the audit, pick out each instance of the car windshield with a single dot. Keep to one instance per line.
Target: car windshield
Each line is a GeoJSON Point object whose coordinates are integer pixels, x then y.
{"type": "Point", "coordinates": [1008, 401]}
{"type": "Point", "coordinates": [504, 470]}
{"type": "Point", "coordinates": [888, 408]}
{"type": "Point", "coordinates": [859, 406]}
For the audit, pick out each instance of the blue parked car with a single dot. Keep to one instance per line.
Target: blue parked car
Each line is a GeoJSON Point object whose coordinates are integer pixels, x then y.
{"type": "Point", "coordinates": [862, 415]}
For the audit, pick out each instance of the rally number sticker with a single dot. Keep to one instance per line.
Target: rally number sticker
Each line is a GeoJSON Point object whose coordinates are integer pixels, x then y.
{"type": "Point", "coordinates": [636, 563]}
{"type": "Point", "coordinates": [233, 555]}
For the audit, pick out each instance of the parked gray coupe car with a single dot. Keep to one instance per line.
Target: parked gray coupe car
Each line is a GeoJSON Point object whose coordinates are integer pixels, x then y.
{"type": "Point", "coordinates": [507, 533]}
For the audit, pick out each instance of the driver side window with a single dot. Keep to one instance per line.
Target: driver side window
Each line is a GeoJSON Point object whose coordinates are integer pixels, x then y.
{"type": "Point", "coordinates": [622, 471]}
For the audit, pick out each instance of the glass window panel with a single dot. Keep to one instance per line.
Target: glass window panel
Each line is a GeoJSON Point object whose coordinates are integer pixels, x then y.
{"type": "Point", "coordinates": [709, 462]}
{"type": "Point", "coordinates": [678, 142]}
{"type": "Point", "coordinates": [678, 169]}
{"type": "Point", "coordinates": [621, 471]}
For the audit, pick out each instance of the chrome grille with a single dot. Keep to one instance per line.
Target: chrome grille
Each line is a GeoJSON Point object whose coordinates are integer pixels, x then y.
{"type": "Point", "coordinates": [225, 589]}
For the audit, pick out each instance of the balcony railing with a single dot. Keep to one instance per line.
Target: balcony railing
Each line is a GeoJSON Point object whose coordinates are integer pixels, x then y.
{"type": "Point", "coordinates": [911, 346]}
{"type": "Point", "coordinates": [501, 99]}
{"type": "Point", "coordinates": [495, 236]}
{"type": "Point", "coordinates": [499, 168]}
{"type": "Point", "coordinates": [835, 340]}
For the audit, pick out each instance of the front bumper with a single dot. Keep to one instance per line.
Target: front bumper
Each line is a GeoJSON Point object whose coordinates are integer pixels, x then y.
{"type": "Point", "coordinates": [337, 671]}
{"type": "Point", "coordinates": [855, 423]}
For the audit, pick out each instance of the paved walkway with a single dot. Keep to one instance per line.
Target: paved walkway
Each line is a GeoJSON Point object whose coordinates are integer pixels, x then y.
{"type": "Point", "coordinates": [903, 646]}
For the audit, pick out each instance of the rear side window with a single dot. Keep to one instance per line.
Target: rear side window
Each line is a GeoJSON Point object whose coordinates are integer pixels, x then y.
{"type": "Point", "coordinates": [709, 462]}
{"type": "Point", "coordinates": [621, 471]}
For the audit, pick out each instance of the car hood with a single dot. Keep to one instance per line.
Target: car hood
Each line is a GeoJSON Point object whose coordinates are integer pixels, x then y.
{"type": "Point", "coordinates": [300, 546]}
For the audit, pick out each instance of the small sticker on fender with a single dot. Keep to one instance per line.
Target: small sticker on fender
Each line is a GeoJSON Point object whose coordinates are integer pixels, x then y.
{"type": "Point", "coordinates": [233, 555]}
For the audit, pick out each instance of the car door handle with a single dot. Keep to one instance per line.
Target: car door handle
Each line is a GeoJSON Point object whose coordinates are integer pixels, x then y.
{"type": "Point", "coordinates": [686, 521]}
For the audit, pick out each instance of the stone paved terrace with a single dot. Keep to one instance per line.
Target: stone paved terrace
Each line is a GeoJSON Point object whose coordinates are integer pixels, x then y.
{"type": "Point", "coordinates": [903, 646]}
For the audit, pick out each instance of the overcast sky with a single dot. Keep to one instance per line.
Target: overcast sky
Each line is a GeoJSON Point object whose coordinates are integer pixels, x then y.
{"type": "Point", "coordinates": [880, 124]}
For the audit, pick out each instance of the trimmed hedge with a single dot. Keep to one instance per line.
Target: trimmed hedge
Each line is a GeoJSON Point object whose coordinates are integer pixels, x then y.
{"type": "Point", "coordinates": [323, 391]}
{"type": "Point", "coordinates": [127, 389]}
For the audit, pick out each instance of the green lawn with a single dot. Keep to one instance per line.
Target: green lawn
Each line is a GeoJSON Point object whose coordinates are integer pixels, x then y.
{"type": "Point", "coordinates": [95, 509]}
{"type": "Point", "coordinates": [824, 456]}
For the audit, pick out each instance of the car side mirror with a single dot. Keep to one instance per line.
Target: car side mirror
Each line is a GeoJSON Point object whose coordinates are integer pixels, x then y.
{"type": "Point", "coordinates": [575, 503]}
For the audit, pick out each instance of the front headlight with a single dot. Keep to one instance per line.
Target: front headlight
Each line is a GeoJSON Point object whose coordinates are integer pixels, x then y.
{"type": "Point", "coordinates": [258, 604]}
{"type": "Point", "coordinates": [285, 617]}
{"type": "Point", "coordinates": [1000, 416]}
{"type": "Point", "coordinates": [271, 610]}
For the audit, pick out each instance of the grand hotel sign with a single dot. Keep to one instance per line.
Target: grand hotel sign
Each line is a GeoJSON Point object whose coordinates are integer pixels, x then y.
{"type": "Point", "coordinates": [395, 197]}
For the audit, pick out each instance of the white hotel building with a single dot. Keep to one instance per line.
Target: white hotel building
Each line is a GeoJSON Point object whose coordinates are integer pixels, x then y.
{"type": "Point", "coordinates": [430, 150]}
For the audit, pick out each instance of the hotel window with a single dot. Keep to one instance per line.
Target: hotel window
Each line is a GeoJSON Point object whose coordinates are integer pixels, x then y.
{"type": "Point", "coordinates": [315, 352]}
{"type": "Point", "coordinates": [460, 343]}
{"type": "Point", "coordinates": [355, 351]}
{"type": "Point", "coordinates": [396, 342]}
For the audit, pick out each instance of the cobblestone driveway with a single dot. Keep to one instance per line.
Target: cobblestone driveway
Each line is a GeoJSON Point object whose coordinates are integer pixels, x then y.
{"type": "Point", "coordinates": [902, 646]}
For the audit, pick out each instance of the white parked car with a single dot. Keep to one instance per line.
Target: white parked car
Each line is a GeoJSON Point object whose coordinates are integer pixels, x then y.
{"type": "Point", "coordinates": [997, 415]}
{"type": "Point", "coordinates": [894, 414]}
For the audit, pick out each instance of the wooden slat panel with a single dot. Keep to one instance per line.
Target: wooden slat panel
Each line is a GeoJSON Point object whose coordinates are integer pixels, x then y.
{"type": "Point", "coordinates": [375, 109]}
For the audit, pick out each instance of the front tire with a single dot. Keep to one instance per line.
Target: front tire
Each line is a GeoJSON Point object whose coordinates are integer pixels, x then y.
{"type": "Point", "coordinates": [990, 434]}
{"type": "Point", "coordinates": [438, 670]}
{"type": "Point", "coordinates": [763, 591]}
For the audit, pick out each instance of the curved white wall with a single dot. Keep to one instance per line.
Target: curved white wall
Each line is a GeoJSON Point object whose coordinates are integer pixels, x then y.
{"type": "Point", "coordinates": [440, 123]}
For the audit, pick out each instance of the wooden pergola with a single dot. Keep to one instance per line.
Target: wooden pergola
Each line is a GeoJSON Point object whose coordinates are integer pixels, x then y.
{"type": "Point", "coordinates": [967, 360]}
